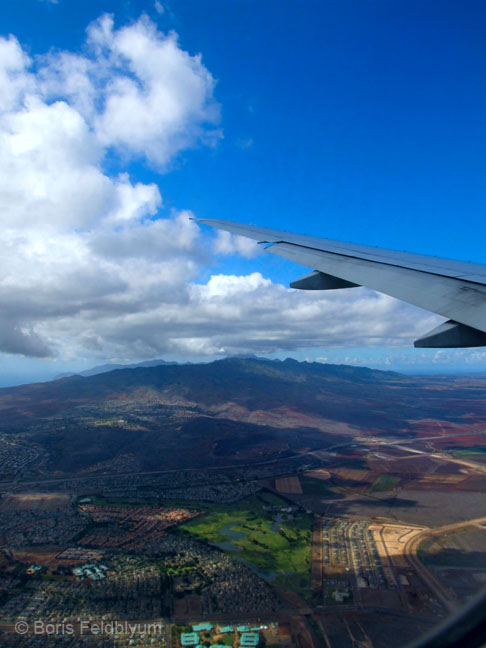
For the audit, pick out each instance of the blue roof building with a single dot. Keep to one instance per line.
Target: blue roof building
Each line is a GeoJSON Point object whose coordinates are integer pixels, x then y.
{"type": "Point", "coordinates": [226, 629]}
{"type": "Point", "coordinates": [249, 639]}
{"type": "Point", "coordinates": [189, 638]}
{"type": "Point", "coordinates": [201, 627]}
{"type": "Point", "coordinates": [242, 628]}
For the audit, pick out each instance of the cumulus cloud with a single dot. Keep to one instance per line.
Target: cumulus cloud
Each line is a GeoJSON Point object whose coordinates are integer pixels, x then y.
{"type": "Point", "coordinates": [157, 98]}
{"type": "Point", "coordinates": [137, 89]}
{"type": "Point", "coordinates": [226, 243]}
{"type": "Point", "coordinates": [77, 243]}
{"type": "Point", "coordinates": [88, 265]}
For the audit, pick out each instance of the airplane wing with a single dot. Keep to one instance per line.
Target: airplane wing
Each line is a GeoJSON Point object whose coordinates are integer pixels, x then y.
{"type": "Point", "coordinates": [454, 289]}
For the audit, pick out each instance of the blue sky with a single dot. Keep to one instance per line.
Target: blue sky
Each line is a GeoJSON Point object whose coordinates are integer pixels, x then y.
{"type": "Point", "coordinates": [353, 120]}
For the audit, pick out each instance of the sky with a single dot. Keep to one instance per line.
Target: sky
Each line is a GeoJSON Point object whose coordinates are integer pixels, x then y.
{"type": "Point", "coordinates": [119, 121]}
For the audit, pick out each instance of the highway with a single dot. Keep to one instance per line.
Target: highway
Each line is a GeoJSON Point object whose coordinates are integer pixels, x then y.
{"type": "Point", "coordinates": [442, 457]}
{"type": "Point", "coordinates": [6, 485]}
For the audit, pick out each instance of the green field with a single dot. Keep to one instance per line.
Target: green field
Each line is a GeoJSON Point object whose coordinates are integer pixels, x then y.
{"type": "Point", "coordinates": [278, 547]}
{"type": "Point", "coordinates": [383, 483]}
{"type": "Point", "coordinates": [460, 453]}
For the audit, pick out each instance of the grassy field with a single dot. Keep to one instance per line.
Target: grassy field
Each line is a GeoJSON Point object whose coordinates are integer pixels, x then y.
{"type": "Point", "coordinates": [460, 453]}
{"type": "Point", "coordinates": [278, 547]}
{"type": "Point", "coordinates": [383, 483]}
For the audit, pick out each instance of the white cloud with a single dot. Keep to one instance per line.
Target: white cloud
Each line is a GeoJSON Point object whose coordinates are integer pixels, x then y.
{"type": "Point", "coordinates": [139, 91]}
{"type": "Point", "coordinates": [158, 7]}
{"type": "Point", "coordinates": [244, 142]}
{"type": "Point", "coordinates": [157, 98]}
{"type": "Point", "coordinates": [226, 243]}
{"type": "Point", "coordinates": [13, 78]}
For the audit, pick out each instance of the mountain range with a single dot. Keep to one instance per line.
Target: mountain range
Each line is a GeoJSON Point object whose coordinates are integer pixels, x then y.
{"type": "Point", "coordinates": [105, 368]}
{"type": "Point", "coordinates": [209, 414]}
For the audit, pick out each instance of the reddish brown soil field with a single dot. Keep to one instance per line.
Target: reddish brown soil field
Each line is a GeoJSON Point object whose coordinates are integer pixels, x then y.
{"type": "Point", "coordinates": [437, 483]}
{"type": "Point", "coordinates": [288, 485]}
{"type": "Point", "coordinates": [414, 465]}
{"type": "Point", "coordinates": [463, 441]}
{"type": "Point", "coordinates": [476, 483]}
{"type": "Point", "coordinates": [451, 469]}
{"type": "Point", "coordinates": [40, 555]}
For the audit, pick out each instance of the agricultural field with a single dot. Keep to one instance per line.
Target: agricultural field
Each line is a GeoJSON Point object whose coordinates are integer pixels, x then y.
{"type": "Point", "coordinates": [474, 453]}
{"type": "Point", "coordinates": [275, 543]}
{"type": "Point", "coordinates": [384, 483]}
{"type": "Point", "coordinates": [288, 485]}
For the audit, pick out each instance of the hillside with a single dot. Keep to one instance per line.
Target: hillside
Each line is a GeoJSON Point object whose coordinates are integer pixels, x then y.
{"type": "Point", "coordinates": [230, 410]}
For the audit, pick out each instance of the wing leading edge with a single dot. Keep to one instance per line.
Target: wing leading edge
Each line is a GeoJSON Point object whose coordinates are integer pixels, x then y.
{"type": "Point", "coordinates": [454, 289]}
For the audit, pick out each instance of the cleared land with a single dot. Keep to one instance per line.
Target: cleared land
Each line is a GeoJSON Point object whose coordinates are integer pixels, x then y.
{"type": "Point", "coordinates": [41, 555]}
{"type": "Point", "coordinates": [429, 508]}
{"type": "Point", "coordinates": [465, 547]}
{"type": "Point", "coordinates": [26, 501]}
{"type": "Point", "coordinates": [288, 485]}
{"type": "Point", "coordinates": [319, 473]}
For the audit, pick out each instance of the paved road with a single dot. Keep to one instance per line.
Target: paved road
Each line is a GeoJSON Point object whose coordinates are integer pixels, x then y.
{"type": "Point", "coordinates": [437, 455]}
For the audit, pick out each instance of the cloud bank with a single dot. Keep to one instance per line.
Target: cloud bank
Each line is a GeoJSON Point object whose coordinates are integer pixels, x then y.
{"type": "Point", "coordinates": [88, 265]}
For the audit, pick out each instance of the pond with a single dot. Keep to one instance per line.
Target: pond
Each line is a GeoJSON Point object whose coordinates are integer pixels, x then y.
{"type": "Point", "coordinates": [227, 530]}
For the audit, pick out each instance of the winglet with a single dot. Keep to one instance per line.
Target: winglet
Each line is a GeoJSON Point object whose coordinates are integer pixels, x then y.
{"type": "Point", "coordinates": [450, 335]}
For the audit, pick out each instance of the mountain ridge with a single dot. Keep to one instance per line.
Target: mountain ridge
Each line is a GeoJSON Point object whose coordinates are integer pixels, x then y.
{"type": "Point", "coordinates": [230, 410]}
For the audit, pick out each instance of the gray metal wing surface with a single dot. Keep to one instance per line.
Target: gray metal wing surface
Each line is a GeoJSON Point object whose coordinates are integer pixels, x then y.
{"type": "Point", "coordinates": [454, 289]}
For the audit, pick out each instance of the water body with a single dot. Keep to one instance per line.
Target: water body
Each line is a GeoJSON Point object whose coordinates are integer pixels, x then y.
{"type": "Point", "coordinates": [228, 530]}
{"type": "Point", "coordinates": [277, 522]}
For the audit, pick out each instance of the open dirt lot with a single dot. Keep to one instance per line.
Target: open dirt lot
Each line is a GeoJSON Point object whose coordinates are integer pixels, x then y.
{"type": "Point", "coordinates": [42, 555]}
{"type": "Point", "coordinates": [46, 501]}
{"type": "Point", "coordinates": [391, 539]}
{"type": "Point", "coordinates": [319, 473]}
